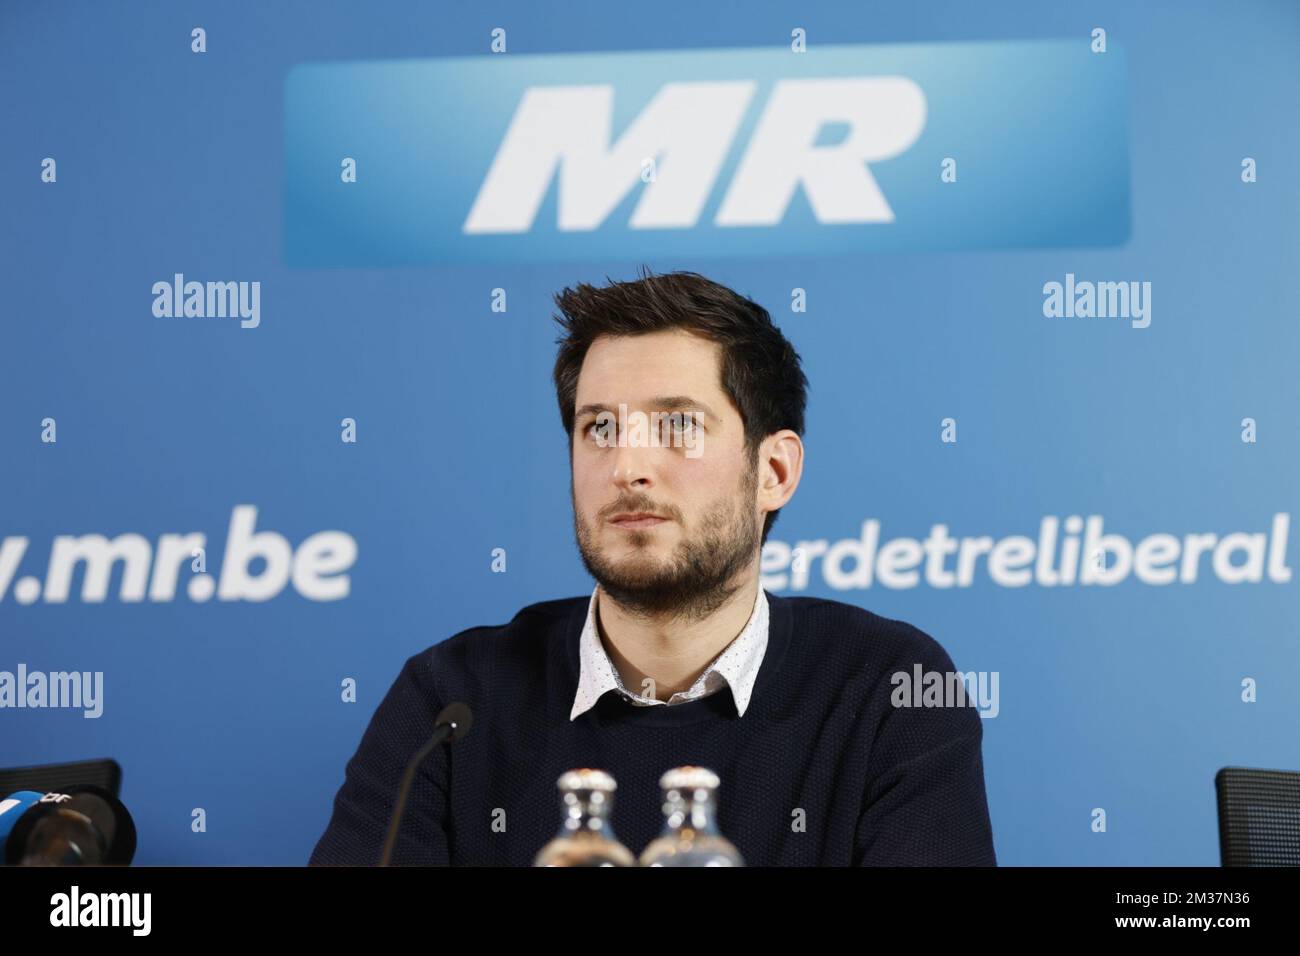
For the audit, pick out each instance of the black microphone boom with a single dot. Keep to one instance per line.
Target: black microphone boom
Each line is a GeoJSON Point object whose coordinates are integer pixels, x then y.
{"type": "Point", "coordinates": [453, 723]}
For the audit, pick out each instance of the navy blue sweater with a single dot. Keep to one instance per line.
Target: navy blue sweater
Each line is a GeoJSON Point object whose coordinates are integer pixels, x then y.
{"type": "Point", "coordinates": [822, 769]}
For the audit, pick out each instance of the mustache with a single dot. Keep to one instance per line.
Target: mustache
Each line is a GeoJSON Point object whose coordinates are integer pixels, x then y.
{"type": "Point", "coordinates": [634, 505]}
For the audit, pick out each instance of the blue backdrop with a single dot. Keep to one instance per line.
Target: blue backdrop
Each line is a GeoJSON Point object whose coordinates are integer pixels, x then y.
{"type": "Point", "coordinates": [229, 165]}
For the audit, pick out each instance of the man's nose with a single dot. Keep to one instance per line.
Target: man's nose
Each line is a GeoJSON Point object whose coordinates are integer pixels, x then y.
{"type": "Point", "coordinates": [634, 466]}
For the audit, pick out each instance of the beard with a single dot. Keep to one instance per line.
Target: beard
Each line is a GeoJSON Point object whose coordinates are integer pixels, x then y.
{"type": "Point", "coordinates": [698, 577]}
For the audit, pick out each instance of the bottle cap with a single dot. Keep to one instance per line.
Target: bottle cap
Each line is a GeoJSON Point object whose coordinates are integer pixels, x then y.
{"type": "Point", "coordinates": [689, 778]}
{"type": "Point", "coordinates": [585, 778]}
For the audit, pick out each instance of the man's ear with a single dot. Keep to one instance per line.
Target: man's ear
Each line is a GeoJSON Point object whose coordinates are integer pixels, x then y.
{"type": "Point", "coordinates": [780, 466]}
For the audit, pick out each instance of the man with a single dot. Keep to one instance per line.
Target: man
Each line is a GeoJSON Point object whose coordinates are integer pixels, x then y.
{"type": "Point", "coordinates": [678, 657]}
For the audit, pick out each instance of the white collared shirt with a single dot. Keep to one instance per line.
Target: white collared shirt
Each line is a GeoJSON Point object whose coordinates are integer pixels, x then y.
{"type": "Point", "coordinates": [736, 667]}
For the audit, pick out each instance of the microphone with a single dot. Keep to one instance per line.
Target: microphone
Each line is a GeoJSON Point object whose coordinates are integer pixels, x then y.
{"type": "Point", "coordinates": [82, 825]}
{"type": "Point", "coordinates": [452, 724]}
{"type": "Point", "coordinates": [11, 808]}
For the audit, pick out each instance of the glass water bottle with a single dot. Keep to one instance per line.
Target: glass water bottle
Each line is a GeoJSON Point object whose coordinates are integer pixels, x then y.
{"type": "Point", "coordinates": [585, 837]}
{"type": "Point", "coordinates": [690, 836]}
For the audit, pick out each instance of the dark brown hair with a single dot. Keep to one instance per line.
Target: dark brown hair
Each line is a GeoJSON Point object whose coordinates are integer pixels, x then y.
{"type": "Point", "coordinates": [761, 372]}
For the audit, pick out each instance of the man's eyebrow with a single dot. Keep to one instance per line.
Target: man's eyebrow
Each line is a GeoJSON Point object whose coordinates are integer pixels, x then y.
{"type": "Point", "coordinates": [667, 403]}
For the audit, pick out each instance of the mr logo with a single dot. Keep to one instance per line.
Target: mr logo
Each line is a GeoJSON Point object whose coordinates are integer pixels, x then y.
{"type": "Point", "coordinates": [692, 126]}
{"type": "Point", "coordinates": [744, 151]}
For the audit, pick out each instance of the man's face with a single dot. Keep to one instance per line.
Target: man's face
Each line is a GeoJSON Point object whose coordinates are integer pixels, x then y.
{"type": "Point", "coordinates": [708, 526]}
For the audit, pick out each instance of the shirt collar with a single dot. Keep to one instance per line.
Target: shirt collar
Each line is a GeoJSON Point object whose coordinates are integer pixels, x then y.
{"type": "Point", "coordinates": [736, 667]}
